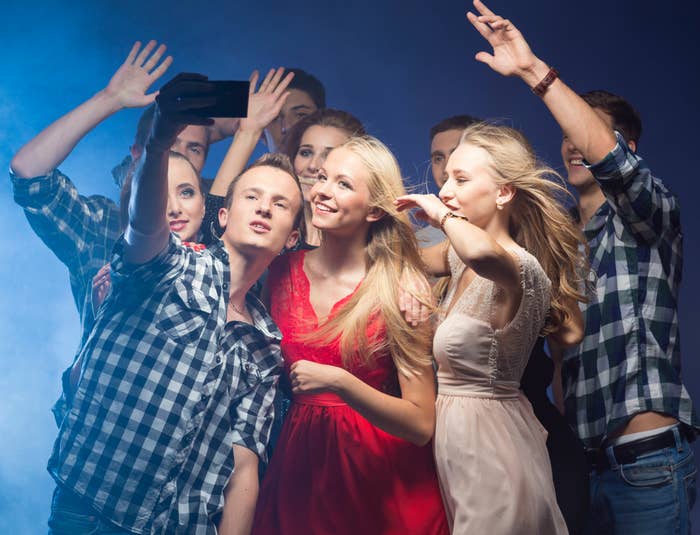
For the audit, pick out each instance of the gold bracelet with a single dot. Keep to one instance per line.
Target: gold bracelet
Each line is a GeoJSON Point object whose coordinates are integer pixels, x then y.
{"type": "Point", "coordinates": [449, 215]}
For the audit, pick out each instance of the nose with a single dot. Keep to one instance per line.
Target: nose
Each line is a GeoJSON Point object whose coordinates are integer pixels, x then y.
{"type": "Point", "coordinates": [174, 208]}
{"type": "Point", "coordinates": [445, 192]}
{"type": "Point", "coordinates": [264, 208]}
{"type": "Point", "coordinates": [315, 164]}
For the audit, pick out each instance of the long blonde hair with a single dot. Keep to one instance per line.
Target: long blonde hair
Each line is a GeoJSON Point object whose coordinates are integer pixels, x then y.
{"type": "Point", "coordinates": [391, 249]}
{"type": "Point", "coordinates": [539, 221]}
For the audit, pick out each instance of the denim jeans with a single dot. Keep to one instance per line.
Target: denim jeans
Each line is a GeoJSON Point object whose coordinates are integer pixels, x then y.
{"type": "Point", "coordinates": [71, 515]}
{"type": "Point", "coordinates": [653, 495]}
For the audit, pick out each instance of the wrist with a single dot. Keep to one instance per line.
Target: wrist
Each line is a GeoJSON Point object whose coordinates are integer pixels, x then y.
{"type": "Point", "coordinates": [534, 74]}
{"type": "Point", "coordinates": [248, 133]}
{"type": "Point", "coordinates": [339, 383]}
{"type": "Point", "coordinates": [108, 100]}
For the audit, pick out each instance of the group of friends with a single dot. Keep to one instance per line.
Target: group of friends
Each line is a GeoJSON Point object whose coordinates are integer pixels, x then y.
{"type": "Point", "coordinates": [278, 351]}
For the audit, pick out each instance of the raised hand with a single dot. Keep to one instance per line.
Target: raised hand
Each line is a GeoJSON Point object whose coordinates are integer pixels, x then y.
{"type": "Point", "coordinates": [142, 67]}
{"type": "Point", "coordinates": [512, 55]}
{"type": "Point", "coordinates": [430, 208]}
{"type": "Point", "coordinates": [265, 103]}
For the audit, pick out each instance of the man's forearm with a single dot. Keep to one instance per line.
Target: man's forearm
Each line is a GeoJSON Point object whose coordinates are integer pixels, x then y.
{"type": "Point", "coordinates": [52, 145]}
{"type": "Point", "coordinates": [241, 494]}
{"type": "Point", "coordinates": [147, 206]}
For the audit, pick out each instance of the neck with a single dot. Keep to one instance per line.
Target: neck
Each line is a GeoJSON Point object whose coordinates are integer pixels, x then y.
{"type": "Point", "coordinates": [589, 200]}
{"type": "Point", "coordinates": [245, 270]}
{"type": "Point", "coordinates": [343, 253]}
{"type": "Point", "coordinates": [498, 230]}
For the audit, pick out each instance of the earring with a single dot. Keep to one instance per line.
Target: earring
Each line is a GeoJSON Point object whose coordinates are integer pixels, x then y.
{"type": "Point", "coordinates": [499, 206]}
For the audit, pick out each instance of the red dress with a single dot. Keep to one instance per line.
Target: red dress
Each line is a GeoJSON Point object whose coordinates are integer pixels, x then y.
{"type": "Point", "coordinates": [333, 472]}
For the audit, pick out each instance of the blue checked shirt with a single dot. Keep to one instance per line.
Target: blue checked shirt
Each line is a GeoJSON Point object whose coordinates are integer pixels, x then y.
{"type": "Point", "coordinates": [167, 387]}
{"type": "Point", "coordinates": [629, 359]}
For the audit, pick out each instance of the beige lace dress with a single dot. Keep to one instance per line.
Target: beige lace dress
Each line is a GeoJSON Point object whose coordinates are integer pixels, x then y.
{"type": "Point", "coordinates": [490, 451]}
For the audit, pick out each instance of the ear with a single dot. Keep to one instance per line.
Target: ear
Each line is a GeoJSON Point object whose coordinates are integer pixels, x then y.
{"type": "Point", "coordinates": [136, 151]}
{"type": "Point", "coordinates": [632, 145]}
{"type": "Point", "coordinates": [223, 217]}
{"type": "Point", "coordinates": [292, 239]}
{"type": "Point", "coordinates": [374, 214]}
{"type": "Point", "coordinates": [506, 192]}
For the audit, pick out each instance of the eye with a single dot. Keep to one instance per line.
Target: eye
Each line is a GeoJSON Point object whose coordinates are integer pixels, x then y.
{"type": "Point", "coordinates": [322, 178]}
{"type": "Point", "coordinates": [196, 149]}
{"type": "Point", "coordinates": [305, 153]}
{"type": "Point", "coordinates": [438, 159]}
{"type": "Point", "coordinates": [301, 115]}
{"type": "Point", "coordinates": [251, 196]}
{"type": "Point", "coordinates": [344, 184]}
{"type": "Point", "coordinates": [281, 204]}
{"type": "Point", "coordinates": [187, 193]}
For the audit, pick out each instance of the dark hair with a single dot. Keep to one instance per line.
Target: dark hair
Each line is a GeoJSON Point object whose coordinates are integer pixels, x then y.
{"type": "Point", "coordinates": [341, 120]}
{"type": "Point", "coordinates": [125, 193]}
{"type": "Point", "coordinates": [143, 128]}
{"type": "Point", "coordinates": [276, 161]}
{"type": "Point", "coordinates": [456, 122]}
{"type": "Point", "coordinates": [309, 84]}
{"type": "Point", "coordinates": [625, 118]}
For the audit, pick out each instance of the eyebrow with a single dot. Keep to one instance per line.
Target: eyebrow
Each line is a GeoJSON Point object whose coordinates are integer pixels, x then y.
{"type": "Point", "coordinates": [437, 153]}
{"type": "Point", "coordinates": [300, 107]}
{"type": "Point", "coordinates": [274, 196]}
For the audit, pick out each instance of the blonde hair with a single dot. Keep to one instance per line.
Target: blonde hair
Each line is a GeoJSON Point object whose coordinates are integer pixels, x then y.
{"type": "Point", "coordinates": [539, 221]}
{"type": "Point", "coordinates": [391, 249]}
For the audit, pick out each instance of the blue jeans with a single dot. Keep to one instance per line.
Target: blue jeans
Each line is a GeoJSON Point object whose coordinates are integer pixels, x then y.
{"type": "Point", "coordinates": [71, 515]}
{"type": "Point", "coordinates": [653, 495]}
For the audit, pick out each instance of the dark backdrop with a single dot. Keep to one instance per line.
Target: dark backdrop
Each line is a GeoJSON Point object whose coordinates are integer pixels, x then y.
{"type": "Point", "coordinates": [399, 66]}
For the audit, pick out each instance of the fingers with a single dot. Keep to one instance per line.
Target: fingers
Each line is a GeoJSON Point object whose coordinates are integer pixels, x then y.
{"type": "Point", "coordinates": [481, 8]}
{"type": "Point", "coordinates": [266, 81]}
{"type": "Point", "coordinates": [484, 57]}
{"type": "Point", "coordinates": [253, 80]}
{"type": "Point", "coordinates": [481, 27]}
{"type": "Point", "coordinates": [132, 54]}
{"type": "Point", "coordinates": [141, 58]}
{"type": "Point", "coordinates": [160, 70]}
{"type": "Point", "coordinates": [276, 79]}
{"type": "Point", "coordinates": [282, 86]}
{"type": "Point", "coordinates": [155, 58]}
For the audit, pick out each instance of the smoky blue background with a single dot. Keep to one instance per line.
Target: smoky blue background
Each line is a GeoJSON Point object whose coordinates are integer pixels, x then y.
{"type": "Point", "coordinates": [399, 66]}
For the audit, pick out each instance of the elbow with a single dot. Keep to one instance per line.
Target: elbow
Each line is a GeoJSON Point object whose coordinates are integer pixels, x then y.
{"type": "Point", "coordinates": [22, 167]}
{"type": "Point", "coordinates": [569, 336]}
{"type": "Point", "coordinates": [423, 434]}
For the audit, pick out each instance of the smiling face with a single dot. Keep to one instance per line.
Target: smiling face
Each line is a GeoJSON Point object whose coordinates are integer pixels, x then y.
{"type": "Point", "coordinates": [471, 189]}
{"type": "Point", "coordinates": [185, 200]}
{"type": "Point", "coordinates": [297, 106]}
{"type": "Point", "coordinates": [441, 147]}
{"type": "Point", "coordinates": [315, 145]}
{"type": "Point", "coordinates": [263, 209]}
{"type": "Point", "coordinates": [340, 200]}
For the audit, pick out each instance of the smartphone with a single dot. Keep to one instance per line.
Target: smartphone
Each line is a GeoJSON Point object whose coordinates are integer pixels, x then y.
{"type": "Point", "coordinates": [229, 98]}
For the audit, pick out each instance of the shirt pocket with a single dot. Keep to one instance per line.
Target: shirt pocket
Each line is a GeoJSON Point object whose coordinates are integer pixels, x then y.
{"type": "Point", "coordinates": [185, 313]}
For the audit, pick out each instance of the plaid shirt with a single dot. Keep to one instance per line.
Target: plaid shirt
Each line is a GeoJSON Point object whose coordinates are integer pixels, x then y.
{"type": "Point", "coordinates": [167, 387]}
{"type": "Point", "coordinates": [629, 359]}
{"type": "Point", "coordinates": [81, 231]}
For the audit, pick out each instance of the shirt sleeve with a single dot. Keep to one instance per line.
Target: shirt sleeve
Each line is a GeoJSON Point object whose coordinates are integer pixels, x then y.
{"type": "Point", "coordinates": [642, 201]}
{"type": "Point", "coordinates": [252, 408]}
{"type": "Point", "coordinates": [139, 278]}
{"type": "Point", "coordinates": [70, 224]}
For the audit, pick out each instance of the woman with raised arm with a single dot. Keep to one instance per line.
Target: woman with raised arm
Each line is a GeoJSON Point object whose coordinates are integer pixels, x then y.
{"type": "Point", "coordinates": [353, 456]}
{"type": "Point", "coordinates": [307, 144]}
{"type": "Point", "coordinates": [516, 274]}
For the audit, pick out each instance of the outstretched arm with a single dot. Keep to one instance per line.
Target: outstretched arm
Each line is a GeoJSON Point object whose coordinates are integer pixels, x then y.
{"type": "Point", "coordinates": [264, 104]}
{"type": "Point", "coordinates": [147, 232]}
{"type": "Point", "coordinates": [126, 89]}
{"type": "Point", "coordinates": [512, 56]}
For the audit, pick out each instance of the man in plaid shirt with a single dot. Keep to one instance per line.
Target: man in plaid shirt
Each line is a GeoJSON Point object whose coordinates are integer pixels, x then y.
{"type": "Point", "coordinates": [623, 390]}
{"type": "Point", "coordinates": [180, 370]}
{"type": "Point", "coordinates": [81, 231]}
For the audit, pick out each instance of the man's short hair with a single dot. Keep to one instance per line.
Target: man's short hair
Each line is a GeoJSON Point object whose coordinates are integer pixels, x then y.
{"type": "Point", "coordinates": [309, 84]}
{"type": "Point", "coordinates": [276, 161]}
{"type": "Point", "coordinates": [626, 119]}
{"type": "Point", "coordinates": [456, 122]}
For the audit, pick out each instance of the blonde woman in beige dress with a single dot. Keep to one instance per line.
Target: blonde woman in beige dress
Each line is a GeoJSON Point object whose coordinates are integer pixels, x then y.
{"type": "Point", "coordinates": [513, 255]}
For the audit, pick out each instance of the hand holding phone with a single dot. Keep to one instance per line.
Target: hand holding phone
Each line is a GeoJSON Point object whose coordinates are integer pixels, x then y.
{"type": "Point", "coordinates": [195, 95]}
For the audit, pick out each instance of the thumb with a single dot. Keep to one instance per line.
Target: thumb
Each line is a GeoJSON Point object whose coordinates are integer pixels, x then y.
{"type": "Point", "coordinates": [485, 57]}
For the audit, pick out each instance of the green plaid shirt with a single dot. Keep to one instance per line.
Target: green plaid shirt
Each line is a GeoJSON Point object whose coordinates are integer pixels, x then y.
{"type": "Point", "coordinates": [629, 360]}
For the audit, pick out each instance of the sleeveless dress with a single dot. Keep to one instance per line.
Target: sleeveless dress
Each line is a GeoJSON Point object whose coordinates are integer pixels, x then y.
{"type": "Point", "coordinates": [490, 448]}
{"type": "Point", "coordinates": [333, 472]}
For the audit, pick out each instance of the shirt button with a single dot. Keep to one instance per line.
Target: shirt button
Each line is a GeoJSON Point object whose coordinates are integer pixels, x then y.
{"type": "Point", "coordinates": [204, 398]}
{"type": "Point", "coordinates": [225, 286]}
{"type": "Point", "coordinates": [218, 359]}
